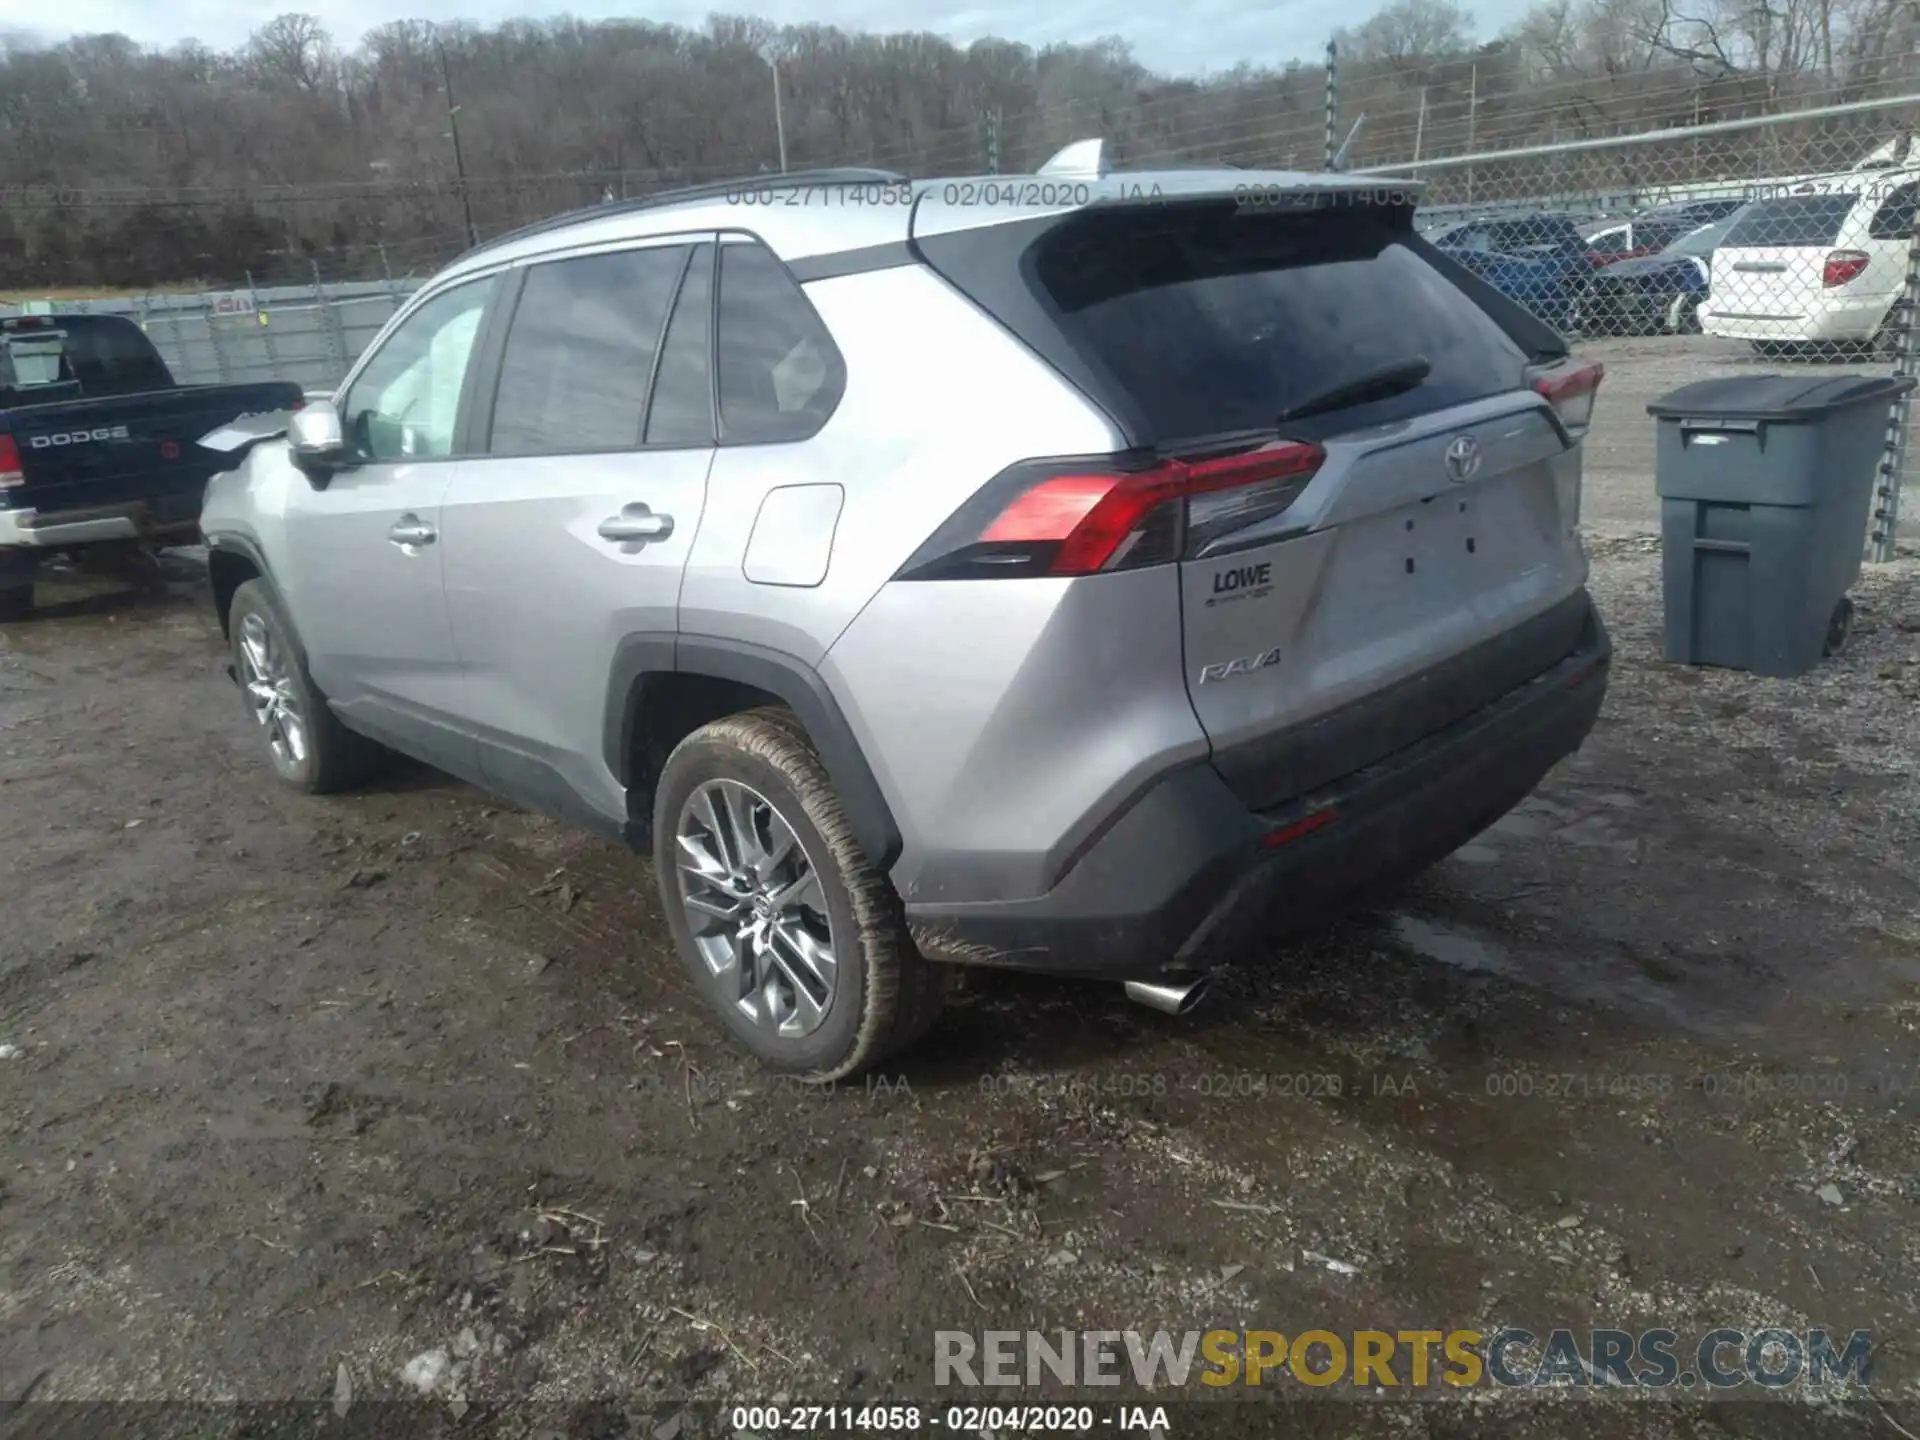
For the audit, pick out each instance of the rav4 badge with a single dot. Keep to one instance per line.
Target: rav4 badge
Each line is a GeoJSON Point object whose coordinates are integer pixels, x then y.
{"type": "Point", "coordinates": [1245, 665]}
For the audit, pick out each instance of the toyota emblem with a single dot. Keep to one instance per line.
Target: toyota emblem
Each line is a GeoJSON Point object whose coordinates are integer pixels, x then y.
{"type": "Point", "coordinates": [1463, 458]}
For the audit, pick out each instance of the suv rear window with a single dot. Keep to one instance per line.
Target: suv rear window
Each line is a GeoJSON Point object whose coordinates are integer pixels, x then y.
{"type": "Point", "coordinates": [1894, 220]}
{"type": "Point", "coordinates": [1213, 320]}
{"type": "Point", "coordinates": [1791, 220]}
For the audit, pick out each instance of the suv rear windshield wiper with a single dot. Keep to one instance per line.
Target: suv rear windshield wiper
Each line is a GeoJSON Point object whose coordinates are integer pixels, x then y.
{"type": "Point", "coordinates": [1388, 380]}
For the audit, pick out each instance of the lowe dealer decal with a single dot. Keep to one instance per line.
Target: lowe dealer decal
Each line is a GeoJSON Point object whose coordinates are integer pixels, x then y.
{"type": "Point", "coordinates": [1241, 582]}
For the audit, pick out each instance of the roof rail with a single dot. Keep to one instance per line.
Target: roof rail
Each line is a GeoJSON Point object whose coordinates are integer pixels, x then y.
{"type": "Point", "coordinates": [843, 175]}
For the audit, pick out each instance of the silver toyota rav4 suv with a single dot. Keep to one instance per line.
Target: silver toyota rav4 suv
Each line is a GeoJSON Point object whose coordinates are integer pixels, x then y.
{"type": "Point", "coordinates": [1087, 572]}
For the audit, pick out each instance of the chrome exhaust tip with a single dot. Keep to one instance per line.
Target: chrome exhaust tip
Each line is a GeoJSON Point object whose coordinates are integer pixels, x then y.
{"type": "Point", "coordinates": [1168, 999]}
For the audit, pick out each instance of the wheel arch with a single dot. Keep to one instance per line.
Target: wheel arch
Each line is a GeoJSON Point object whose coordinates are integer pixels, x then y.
{"type": "Point", "coordinates": [665, 686]}
{"type": "Point", "coordinates": [231, 562]}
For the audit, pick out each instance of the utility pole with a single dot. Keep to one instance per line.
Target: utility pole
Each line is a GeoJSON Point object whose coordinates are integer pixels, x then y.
{"type": "Point", "coordinates": [1473, 114]}
{"type": "Point", "coordinates": [1420, 125]}
{"type": "Point", "coordinates": [1333, 107]}
{"type": "Point", "coordinates": [453, 132]}
{"type": "Point", "coordinates": [771, 54]}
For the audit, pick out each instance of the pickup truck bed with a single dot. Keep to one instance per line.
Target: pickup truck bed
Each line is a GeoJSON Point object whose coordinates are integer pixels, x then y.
{"type": "Point", "coordinates": [97, 445]}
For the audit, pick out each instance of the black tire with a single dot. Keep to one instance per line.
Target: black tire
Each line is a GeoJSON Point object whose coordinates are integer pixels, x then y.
{"type": "Point", "coordinates": [1839, 626]}
{"type": "Point", "coordinates": [1686, 320]}
{"type": "Point", "coordinates": [885, 994]}
{"type": "Point", "coordinates": [16, 603]}
{"type": "Point", "coordinates": [335, 757]}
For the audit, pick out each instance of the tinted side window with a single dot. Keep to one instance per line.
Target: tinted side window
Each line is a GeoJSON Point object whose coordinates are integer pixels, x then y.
{"type": "Point", "coordinates": [780, 375]}
{"type": "Point", "coordinates": [580, 352]}
{"type": "Point", "coordinates": [405, 403]}
{"type": "Point", "coordinates": [682, 411]}
{"type": "Point", "coordinates": [1894, 220]}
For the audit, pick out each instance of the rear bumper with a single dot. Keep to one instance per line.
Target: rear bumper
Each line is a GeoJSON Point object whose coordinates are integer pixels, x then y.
{"type": "Point", "coordinates": [1836, 321]}
{"type": "Point", "coordinates": [36, 530]}
{"type": "Point", "coordinates": [1189, 874]}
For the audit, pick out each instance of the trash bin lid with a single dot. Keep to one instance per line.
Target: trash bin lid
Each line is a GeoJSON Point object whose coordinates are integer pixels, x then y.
{"type": "Point", "coordinates": [1777, 397]}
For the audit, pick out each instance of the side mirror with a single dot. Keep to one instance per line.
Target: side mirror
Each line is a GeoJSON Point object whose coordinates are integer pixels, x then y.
{"type": "Point", "coordinates": [317, 441]}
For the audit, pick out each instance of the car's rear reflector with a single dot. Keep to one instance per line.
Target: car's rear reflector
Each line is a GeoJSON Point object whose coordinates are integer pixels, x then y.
{"type": "Point", "coordinates": [1067, 518]}
{"type": "Point", "coordinates": [10, 472]}
{"type": "Point", "coordinates": [1571, 388]}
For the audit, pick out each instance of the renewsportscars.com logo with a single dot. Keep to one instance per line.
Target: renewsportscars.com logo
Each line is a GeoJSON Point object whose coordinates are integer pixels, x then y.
{"type": "Point", "coordinates": [1384, 1360]}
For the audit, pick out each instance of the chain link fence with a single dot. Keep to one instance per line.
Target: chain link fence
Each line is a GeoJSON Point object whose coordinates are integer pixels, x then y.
{"type": "Point", "coordinates": [1783, 242]}
{"type": "Point", "coordinates": [302, 318]}
{"type": "Point", "coordinates": [1779, 238]}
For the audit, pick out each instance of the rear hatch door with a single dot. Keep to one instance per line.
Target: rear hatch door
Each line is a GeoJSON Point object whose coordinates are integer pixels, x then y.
{"type": "Point", "coordinates": [1771, 265]}
{"type": "Point", "coordinates": [1425, 566]}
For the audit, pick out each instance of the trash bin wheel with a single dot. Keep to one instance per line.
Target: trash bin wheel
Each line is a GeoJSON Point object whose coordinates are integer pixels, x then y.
{"type": "Point", "coordinates": [1839, 626]}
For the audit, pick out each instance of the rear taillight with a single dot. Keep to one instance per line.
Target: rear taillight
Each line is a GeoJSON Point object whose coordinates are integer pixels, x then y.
{"type": "Point", "coordinates": [1052, 517]}
{"type": "Point", "coordinates": [1842, 266]}
{"type": "Point", "coordinates": [10, 475]}
{"type": "Point", "coordinates": [1570, 388]}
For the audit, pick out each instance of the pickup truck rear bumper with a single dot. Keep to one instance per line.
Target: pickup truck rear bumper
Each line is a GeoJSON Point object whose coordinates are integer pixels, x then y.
{"type": "Point", "coordinates": [31, 529]}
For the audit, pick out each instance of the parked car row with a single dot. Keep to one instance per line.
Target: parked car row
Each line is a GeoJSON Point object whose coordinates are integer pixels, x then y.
{"type": "Point", "coordinates": [1824, 266]}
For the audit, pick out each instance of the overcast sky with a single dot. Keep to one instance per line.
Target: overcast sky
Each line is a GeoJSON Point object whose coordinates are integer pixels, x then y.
{"type": "Point", "coordinates": [1171, 36]}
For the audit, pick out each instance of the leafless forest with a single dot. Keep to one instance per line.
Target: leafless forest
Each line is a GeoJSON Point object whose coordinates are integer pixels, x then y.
{"type": "Point", "coordinates": [301, 150]}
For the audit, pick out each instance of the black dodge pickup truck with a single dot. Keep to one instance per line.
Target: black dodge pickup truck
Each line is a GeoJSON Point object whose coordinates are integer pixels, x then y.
{"type": "Point", "coordinates": [97, 442]}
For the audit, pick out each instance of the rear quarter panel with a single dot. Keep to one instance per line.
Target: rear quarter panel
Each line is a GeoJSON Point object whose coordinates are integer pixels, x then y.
{"type": "Point", "coordinates": [938, 400]}
{"type": "Point", "coordinates": [999, 717]}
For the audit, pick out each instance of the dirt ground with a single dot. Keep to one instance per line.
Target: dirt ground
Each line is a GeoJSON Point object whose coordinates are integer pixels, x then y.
{"type": "Point", "coordinates": [303, 1089]}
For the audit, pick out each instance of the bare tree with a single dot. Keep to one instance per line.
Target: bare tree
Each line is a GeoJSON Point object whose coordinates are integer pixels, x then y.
{"type": "Point", "coordinates": [1410, 33]}
{"type": "Point", "coordinates": [292, 47]}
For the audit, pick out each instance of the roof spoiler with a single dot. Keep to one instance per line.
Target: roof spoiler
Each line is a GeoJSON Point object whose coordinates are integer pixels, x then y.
{"type": "Point", "coordinates": [1083, 157]}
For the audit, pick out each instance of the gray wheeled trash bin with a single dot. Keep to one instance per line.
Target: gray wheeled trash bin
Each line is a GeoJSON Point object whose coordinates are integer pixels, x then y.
{"type": "Point", "coordinates": [1765, 482]}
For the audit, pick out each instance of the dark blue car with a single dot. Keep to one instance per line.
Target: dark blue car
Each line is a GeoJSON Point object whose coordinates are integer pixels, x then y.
{"type": "Point", "coordinates": [1538, 260]}
{"type": "Point", "coordinates": [1654, 294]}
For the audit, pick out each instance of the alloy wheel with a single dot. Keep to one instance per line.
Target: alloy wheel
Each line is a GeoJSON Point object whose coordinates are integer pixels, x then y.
{"type": "Point", "coordinates": [271, 693]}
{"type": "Point", "coordinates": [756, 907]}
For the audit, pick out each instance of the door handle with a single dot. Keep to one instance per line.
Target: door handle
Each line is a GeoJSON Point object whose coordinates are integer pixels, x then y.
{"type": "Point", "coordinates": [635, 524]}
{"type": "Point", "coordinates": [411, 530]}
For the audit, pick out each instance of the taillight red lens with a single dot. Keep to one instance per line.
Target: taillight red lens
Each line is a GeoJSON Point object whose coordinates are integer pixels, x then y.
{"type": "Point", "coordinates": [1080, 519]}
{"type": "Point", "coordinates": [10, 474]}
{"type": "Point", "coordinates": [1842, 266]}
{"type": "Point", "coordinates": [1570, 389]}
